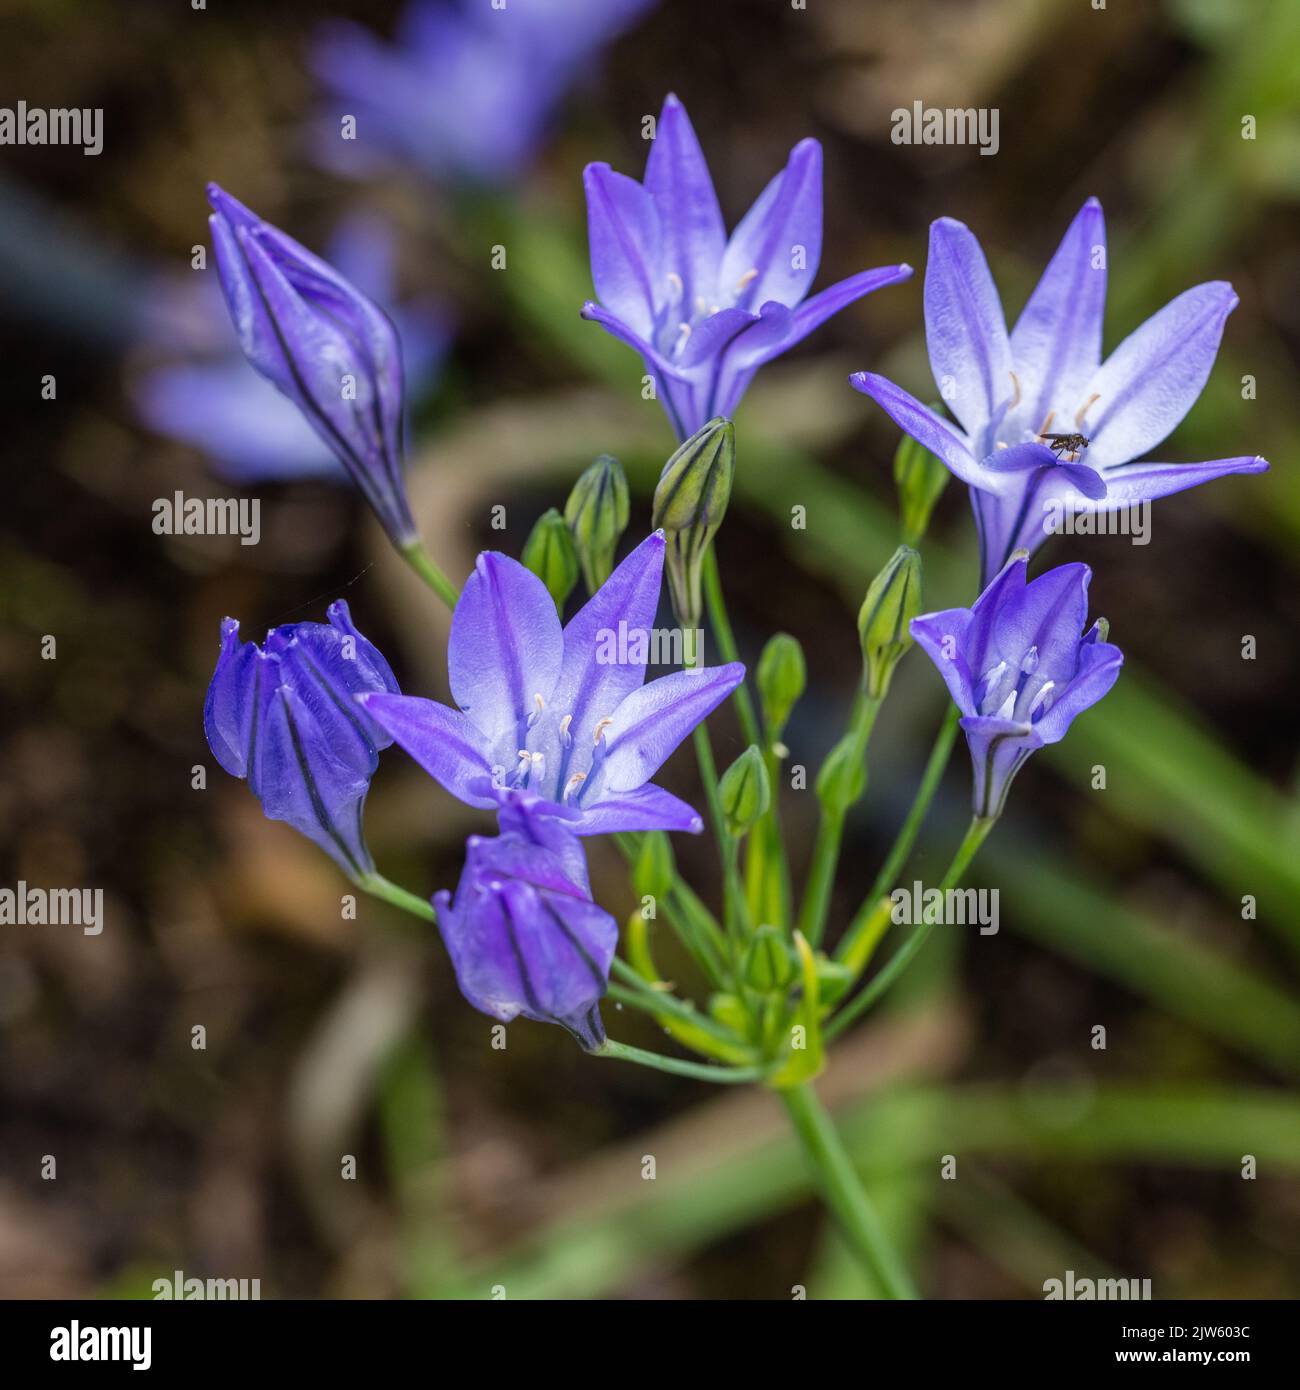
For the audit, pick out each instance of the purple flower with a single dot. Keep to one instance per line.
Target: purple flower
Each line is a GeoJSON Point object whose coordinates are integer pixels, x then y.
{"type": "Point", "coordinates": [1018, 668]}
{"type": "Point", "coordinates": [563, 714]}
{"type": "Point", "coordinates": [1047, 377]}
{"type": "Point", "coordinates": [283, 716]}
{"type": "Point", "coordinates": [522, 931]}
{"type": "Point", "coordinates": [466, 90]}
{"type": "Point", "coordinates": [703, 311]}
{"type": "Point", "coordinates": [217, 403]}
{"type": "Point", "coordinates": [332, 351]}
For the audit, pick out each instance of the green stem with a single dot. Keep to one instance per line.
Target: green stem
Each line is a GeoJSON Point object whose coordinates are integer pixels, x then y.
{"type": "Point", "coordinates": [975, 836]}
{"type": "Point", "coordinates": [424, 565]}
{"type": "Point", "coordinates": [911, 827]}
{"type": "Point", "coordinates": [726, 640]}
{"type": "Point", "coordinates": [380, 887]}
{"type": "Point", "coordinates": [697, 1071]}
{"type": "Point", "coordinates": [844, 1194]}
{"type": "Point", "coordinates": [830, 830]}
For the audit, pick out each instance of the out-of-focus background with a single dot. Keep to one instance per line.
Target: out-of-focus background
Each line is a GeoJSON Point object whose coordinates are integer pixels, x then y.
{"type": "Point", "coordinates": [1164, 908]}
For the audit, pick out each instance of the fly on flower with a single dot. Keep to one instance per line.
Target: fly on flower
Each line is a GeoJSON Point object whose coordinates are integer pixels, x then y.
{"type": "Point", "coordinates": [1061, 444]}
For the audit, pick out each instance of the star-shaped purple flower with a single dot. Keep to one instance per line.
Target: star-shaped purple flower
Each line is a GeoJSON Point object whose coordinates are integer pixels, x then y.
{"type": "Point", "coordinates": [523, 933]}
{"type": "Point", "coordinates": [703, 311]}
{"type": "Point", "coordinates": [563, 714]}
{"type": "Point", "coordinates": [1020, 668]}
{"type": "Point", "coordinates": [1046, 377]}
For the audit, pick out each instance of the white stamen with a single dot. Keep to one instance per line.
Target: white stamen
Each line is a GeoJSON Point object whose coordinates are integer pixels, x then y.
{"type": "Point", "coordinates": [1083, 410]}
{"type": "Point", "coordinates": [683, 332]}
{"type": "Point", "coordinates": [1040, 697]}
{"type": "Point", "coordinates": [1015, 400]}
{"type": "Point", "coordinates": [746, 278]}
{"type": "Point", "coordinates": [538, 712]}
{"type": "Point", "coordinates": [600, 728]}
{"type": "Point", "coordinates": [566, 738]}
{"type": "Point", "coordinates": [1030, 662]}
{"type": "Point", "coordinates": [1008, 707]}
{"type": "Point", "coordinates": [1047, 422]}
{"type": "Point", "coordinates": [675, 281]}
{"type": "Point", "coordinates": [573, 784]}
{"type": "Point", "coordinates": [700, 305]}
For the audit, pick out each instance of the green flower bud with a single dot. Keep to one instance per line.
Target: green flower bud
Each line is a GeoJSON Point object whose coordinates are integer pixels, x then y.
{"type": "Point", "coordinates": [652, 873]}
{"type": "Point", "coordinates": [893, 600]}
{"type": "Point", "coordinates": [843, 776]}
{"type": "Point", "coordinates": [730, 1011]}
{"type": "Point", "coordinates": [690, 502]}
{"type": "Point", "coordinates": [769, 966]}
{"type": "Point", "coordinates": [781, 680]}
{"type": "Point", "coordinates": [597, 512]}
{"type": "Point", "coordinates": [921, 479]}
{"type": "Point", "coordinates": [745, 792]}
{"type": "Point", "coordinates": [549, 552]}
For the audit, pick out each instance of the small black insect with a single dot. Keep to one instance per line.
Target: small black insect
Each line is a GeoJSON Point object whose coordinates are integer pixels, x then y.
{"type": "Point", "coordinates": [1059, 444]}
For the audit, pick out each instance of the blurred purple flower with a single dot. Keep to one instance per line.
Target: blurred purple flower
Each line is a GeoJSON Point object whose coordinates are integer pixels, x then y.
{"type": "Point", "coordinates": [325, 345]}
{"type": "Point", "coordinates": [561, 714]}
{"type": "Point", "coordinates": [283, 716]}
{"type": "Point", "coordinates": [1047, 376]}
{"type": "Point", "coordinates": [217, 403]}
{"type": "Point", "coordinates": [1018, 669]}
{"type": "Point", "coordinates": [522, 931]}
{"type": "Point", "coordinates": [466, 90]}
{"type": "Point", "coordinates": [703, 311]}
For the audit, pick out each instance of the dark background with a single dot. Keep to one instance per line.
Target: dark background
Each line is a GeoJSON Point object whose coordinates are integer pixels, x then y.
{"type": "Point", "coordinates": [1119, 907]}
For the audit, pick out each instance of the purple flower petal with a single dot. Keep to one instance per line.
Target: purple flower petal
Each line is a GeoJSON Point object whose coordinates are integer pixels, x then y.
{"type": "Point", "coordinates": [678, 180]}
{"type": "Point", "coordinates": [1153, 378]}
{"type": "Point", "coordinates": [506, 647]}
{"type": "Point", "coordinates": [446, 743]}
{"type": "Point", "coordinates": [1098, 669]}
{"type": "Point", "coordinates": [812, 313]}
{"type": "Point", "coordinates": [1143, 482]}
{"type": "Point", "coordinates": [647, 807]}
{"type": "Point", "coordinates": [626, 241]}
{"type": "Point", "coordinates": [923, 425]}
{"type": "Point", "coordinates": [942, 636]}
{"type": "Point", "coordinates": [780, 237]}
{"type": "Point", "coordinates": [965, 331]}
{"type": "Point", "coordinates": [1056, 343]}
{"type": "Point", "coordinates": [653, 720]}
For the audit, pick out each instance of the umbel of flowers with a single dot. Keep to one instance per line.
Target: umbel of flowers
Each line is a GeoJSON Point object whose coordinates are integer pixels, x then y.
{"type": "Point", "coordinates": [554, 734]}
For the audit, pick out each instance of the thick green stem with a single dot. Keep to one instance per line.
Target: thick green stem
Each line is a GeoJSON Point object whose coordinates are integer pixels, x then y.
{"type": "Point", "coordinates": [903, 957]}
{"type": "Point", "coordinates": [380, 887]}
{"type": "Point", "coordinates": [423, 564]}
{"type": "Point", "coordinates": [726, 641]}
{"type": "Point", "coordinates": [840, 1186]}
{"type": "Point", "coordinates": [830, 830]}
{"type": "Point", "coordinates": [911, 827]}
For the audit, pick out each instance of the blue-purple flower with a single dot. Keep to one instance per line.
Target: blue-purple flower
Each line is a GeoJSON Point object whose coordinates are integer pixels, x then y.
{"type": "Point", "coordinates": [560, 713]}
{"type": "Point", "coordinates": [704, 311]}
{"type": "Point", "coordinates": [325, 345]}
{"type": "Point", "coordinates": [283, 715]}
{"type": "Point", "coordinates": [209, 397]}
{"type": "Point", "coordinates": [466, 90]}
{"type": "Point", "coordinates": [522, 931]}
{"type": "Point", "coordinates": [1046, 377]}
{"type": "Point", "coordinates": [1020, 667]}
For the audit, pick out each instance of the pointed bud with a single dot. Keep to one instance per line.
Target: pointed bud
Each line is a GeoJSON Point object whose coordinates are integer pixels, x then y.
{"type": "Point", "coordinates": [921, 479]}
{"type": "Point", "coordinates": [843, 776]}
{"type": "Point", "coordinates": [769, 965]}
{"type": "Point", "coordinates": [690, 502]}
{"type": "Point", "coordinates": [652, 873]}
{"type": "Point", "coordinates": [745, 792]}
{"type": "Point", "coordinates": [549, 552]}
{"type": "Point", "coordinates": [597, 512]}
{"type": "Point", "coordinates": [781, 680]}
{"type": "Point", "coordinates": [893, 600]}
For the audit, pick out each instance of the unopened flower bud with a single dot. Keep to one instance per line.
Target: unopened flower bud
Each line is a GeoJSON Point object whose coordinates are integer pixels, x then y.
{"type": "Point", "coordinates": [768, 966]}
{"type": "Point", "coordinates": [550, 553]}
{"type": "Point", "coordinates": [652, 873]}
{"type": "Point", "coordinates": [597, 513]}
{"type": "Point", "coordinates": [921, 479]}
{"type": "Point", "coordinates": [690, 502]}
{"type": "Point", "coordinates": [745, 792]}
{"type": "Point", "coordinates": [843, 776]}
{"type": "Point", "coordinates": [781, 680]}
{"type": "Point", "coordinates": [892, 601]}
